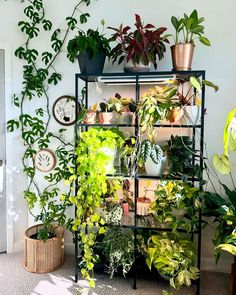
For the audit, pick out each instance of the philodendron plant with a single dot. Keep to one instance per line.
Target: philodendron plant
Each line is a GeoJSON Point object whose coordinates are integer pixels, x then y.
{"type": "Point", "coordinates": [173, 257]}
{"type": "Point", "coordinates": [90, 176]}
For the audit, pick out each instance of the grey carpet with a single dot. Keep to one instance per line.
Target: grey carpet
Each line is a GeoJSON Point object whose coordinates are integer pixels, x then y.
{"type": "Point", "coordinates": [15, 280]}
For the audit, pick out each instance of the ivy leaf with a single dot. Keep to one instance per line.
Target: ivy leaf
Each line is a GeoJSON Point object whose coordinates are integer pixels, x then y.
{"type": "Point", "coordinates": [12, 125]}
{"type": "Point", "coordinates": [46, 57]}
{"type": "Point", "coordinates": [71, 22]}
{"type": "Point", "coordinates": [16, 101]}
{"type": "Point", "coordinates": [39, 112]}
{"type": "Point", "coordinates": [47, 24]}
{"type": "Point", "coordinates": [28, 136]}
{"type": "Point", "coordinates": [43, 143]}
{"type": "Point", "coordinates": [84, 18]}
{"type": "Point", "coordinates": [38, 4]}
{"type": "Point", "coordinates": [31, 55]}
{"type": "Point", "coordinates": [20, 53]}
{"type": "Point", "coordinates": [55, 78]}
{"type": "Point", "coordinates": [28, 11]}
{"type": "Point", "coordinates": [29, 153]}
{"type": "Point", "coordinates": [56, 45]}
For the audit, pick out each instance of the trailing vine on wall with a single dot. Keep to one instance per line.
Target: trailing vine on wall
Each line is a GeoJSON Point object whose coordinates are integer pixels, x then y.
{"type": "Point", "coordinates": [39, 75]}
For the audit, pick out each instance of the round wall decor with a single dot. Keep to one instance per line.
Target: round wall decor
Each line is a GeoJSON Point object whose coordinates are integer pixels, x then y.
{"type": "Point", "coordinates": [63, 110]}
{"type": "Point", "coordinates": [45, 160]}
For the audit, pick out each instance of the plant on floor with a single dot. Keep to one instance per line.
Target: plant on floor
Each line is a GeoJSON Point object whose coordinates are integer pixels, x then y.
{"type": "Point", "coordinates": [118, 247]}
{"type": "Point", "coordinates": [177, 203]}
{"type": "Point", "coordinates": [142, 45]}
{"type": "Point", "coordinates": [180, 153]}
{"type": "Point", "coordinates": [39, 76]}
{"type": "Point", "coordinates": [223, 208]}
{"type": "Point", "coordinates": [92, 186]}
{"type": "Point", "coordinates": [173, 257]}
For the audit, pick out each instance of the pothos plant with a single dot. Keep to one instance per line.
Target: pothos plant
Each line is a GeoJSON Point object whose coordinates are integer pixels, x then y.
{"type": "Point", "coordinates": [39, 76]}
{"type": "Point", "coordinates": [92, 184]}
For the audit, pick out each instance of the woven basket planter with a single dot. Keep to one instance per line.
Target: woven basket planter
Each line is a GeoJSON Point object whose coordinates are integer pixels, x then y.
{"type": "Point", "coordinates": [40, 256]}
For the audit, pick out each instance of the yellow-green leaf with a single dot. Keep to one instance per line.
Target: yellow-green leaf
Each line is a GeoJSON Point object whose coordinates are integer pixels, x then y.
{"type": "Point", "coordinates": [221, 164]}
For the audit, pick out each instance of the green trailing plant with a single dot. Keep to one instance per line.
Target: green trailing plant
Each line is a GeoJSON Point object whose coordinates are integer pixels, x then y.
{"type": "Point", "coordinates": [91, 42]}
{"type": "Point", "coordinates": [172, 256]}
{"type": "Point", "coordinates": [176, 203]}
{"type": "Point", "coordinates": [92, 187]}
{"type": "Point", "coordinates": [39, 76]}
{"type": "Point", "coordinates": [180, 154]}
{"type": "Point", "coordinates": [188, 28]}
{"type": "Point", "coordinates": [142, 45]}
{"type": "Point", "coordinates": [118, 248]}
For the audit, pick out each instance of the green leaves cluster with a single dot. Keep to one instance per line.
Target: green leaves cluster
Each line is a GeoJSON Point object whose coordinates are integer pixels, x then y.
{"type": "Point", "coordinates": [190, 27]}
{"type": "Point", "coordinates": [152, 150]}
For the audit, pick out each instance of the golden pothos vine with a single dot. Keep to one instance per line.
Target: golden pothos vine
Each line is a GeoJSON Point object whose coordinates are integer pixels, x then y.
{"type": "Point", "coordinates": [39, 75]}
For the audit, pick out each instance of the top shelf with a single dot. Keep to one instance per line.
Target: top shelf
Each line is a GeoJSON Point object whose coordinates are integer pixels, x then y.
{"type": "Point", "coordinates": [127, 78]}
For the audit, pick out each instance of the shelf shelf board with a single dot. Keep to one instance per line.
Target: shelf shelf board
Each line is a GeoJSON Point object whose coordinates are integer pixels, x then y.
{"type": "Point", "coordinates": [131, 77]}
{"type": "Point", "coordinates": [136, 125]}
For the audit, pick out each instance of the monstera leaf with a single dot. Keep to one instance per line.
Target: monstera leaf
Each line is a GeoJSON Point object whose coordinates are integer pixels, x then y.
{"type": "Point", "coordinates": [221, 163]}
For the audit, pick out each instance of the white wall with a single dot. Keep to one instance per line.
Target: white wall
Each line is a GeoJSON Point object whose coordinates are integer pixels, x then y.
{"type": "Point", "coordinates": [219, 61]}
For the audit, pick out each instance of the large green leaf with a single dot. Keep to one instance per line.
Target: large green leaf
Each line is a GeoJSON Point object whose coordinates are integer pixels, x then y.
{"type": "Point", "coordinates": [232, 139]}
{"type": "Point", "coordinates": [230, 117]}
{"type": "Point", "coordinates": [231, 195]}
{"type": "Point", "coordinates": [210, 84]}
{"type": "Point", "coordinates": [204, 41]}
{"type": "Point", "coordinates": [221, 163]}
{"type": "Point", "coordinates": [156, 154]}
{"type": "Point", "coordinates": [228, 248]}
{"type": "Point", "coordinates": [195, 83]}
{"type": "Point", "coordinates": [146, 148]}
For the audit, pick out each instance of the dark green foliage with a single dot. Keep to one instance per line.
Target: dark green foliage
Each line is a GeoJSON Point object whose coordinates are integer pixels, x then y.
{"type": "Point", "coordinates": [180, 154]}
{"type": "Point", "coordinates": [91, 42]}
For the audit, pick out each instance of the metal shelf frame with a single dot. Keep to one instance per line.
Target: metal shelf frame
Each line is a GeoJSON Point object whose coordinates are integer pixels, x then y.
{"type": "Point", "coordinates": [134, 79]}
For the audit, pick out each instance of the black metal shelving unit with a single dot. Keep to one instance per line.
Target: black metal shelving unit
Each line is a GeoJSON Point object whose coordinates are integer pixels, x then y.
{"type": "Point", "coordinates": [137, 79]}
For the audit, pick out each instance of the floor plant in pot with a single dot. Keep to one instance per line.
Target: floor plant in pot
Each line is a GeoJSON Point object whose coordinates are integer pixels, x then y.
{"type": "Point", "coordinates": [139, 48]}
{"type": "Point", "coordinates": [92, 186]}
{"type": "Point", "coordinates": [91, 49]}
{"type": "Point", "coordinates": [187, 29]}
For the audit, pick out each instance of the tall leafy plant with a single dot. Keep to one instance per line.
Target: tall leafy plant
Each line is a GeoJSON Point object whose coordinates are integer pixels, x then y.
{"type": "Point", "coordinates": [39, 76]}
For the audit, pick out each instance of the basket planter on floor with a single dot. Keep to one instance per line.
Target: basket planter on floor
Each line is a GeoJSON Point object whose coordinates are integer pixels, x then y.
{"type": "Point", "coordinates": [40, 256]}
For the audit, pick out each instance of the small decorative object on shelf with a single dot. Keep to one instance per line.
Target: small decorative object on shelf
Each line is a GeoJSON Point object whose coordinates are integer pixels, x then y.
{"type": "Point", "coordinates": [144, 202]}
{"type": "Point", "coordinates": [182, 51]}
{"type": "Point", "coordinates": [63, 110]}
{"type": "Point", "coordinates": [140, 48]}
{"type": "Point", "coordinates": [91, 115]}
{"type": "Point", "coordinates": [45, 160]}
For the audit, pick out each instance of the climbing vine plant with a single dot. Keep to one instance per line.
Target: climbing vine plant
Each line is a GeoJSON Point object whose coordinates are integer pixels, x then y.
{"type": "Point", "coordinates": [39, 76]}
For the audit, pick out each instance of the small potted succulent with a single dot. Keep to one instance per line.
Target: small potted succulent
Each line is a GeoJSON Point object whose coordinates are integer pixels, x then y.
{"type": "Point", "coordinates": [139, 48]}
{"type": "Point", "coordinates": [189, 28]}
{"type": "Point", "coordinates": [91, 49]}
{"type": "Point", "coordinates": [151, 155]}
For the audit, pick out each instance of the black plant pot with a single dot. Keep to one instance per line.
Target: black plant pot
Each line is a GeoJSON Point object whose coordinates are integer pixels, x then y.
{"type": "Point", "coordinates": [89, 65]}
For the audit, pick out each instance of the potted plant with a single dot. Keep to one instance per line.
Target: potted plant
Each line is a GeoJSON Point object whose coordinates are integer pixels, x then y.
{"type": "Point", "coordinates": [90, 115]}
{"type": "Point", "coordinates": [176, 203]}
{"type": "Point", "coordinates": [109, 110]}
{"type": "Point", "coordinates": [91, 152]}
{"type": "Point", "coordinates": [156, 106]}
{"type": "Point", "coordinates": [190, 27]}
{"type": "Point", "coordinates": [139, 48]}
{"type": "Point", "coordinates": [151, 155]}
{"type": "Point", "coordinates": [180, 155]}
{"type": "Point", "coordinates": [128, 109]}
{"type": "Point", "coordinates": [173, 257]}
{"type": "Point", "coordinates": [91, 49]}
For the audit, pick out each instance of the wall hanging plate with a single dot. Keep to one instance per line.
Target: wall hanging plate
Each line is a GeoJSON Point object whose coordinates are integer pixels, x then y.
{"type": "Point", "coordinates": [63, 110]}
{"type": "Point", "coordinates": [45, 160]}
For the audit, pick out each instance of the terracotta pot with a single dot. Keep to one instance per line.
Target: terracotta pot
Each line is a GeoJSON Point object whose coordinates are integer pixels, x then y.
{"type": "Point", "coordinates": [40, 256]}
{"type": "Point", "coordinates": [182, 56]}
{"type": "Point", "coordinates": [106, 118]}
{"type": "Point", "coordinates": [90, 118]}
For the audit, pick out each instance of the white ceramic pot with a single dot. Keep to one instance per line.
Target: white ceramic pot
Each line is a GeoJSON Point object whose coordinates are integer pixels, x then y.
{"type": "Point", "coordinates": [192, 115]}
{"type": "Point", "coordinates": [134, 68]}
{"type": "Point", "coordinates": [153, 168]}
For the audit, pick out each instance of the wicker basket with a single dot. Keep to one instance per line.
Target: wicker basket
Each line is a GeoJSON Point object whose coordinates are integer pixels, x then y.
{"type": "Point", "coordinates": [40, 256]}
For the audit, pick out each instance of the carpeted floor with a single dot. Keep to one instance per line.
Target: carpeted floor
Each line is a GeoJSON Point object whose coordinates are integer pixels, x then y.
{"type": "Point", "coordinates": [15, 280]}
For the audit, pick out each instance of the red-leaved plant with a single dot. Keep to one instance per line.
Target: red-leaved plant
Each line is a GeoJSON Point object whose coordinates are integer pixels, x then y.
{"type": "Point", "coordinates": [141, 46]}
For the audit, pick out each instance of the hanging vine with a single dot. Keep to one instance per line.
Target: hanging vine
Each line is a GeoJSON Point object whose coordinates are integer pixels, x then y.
{"type": "Point", "coordinates": [40, 75]}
